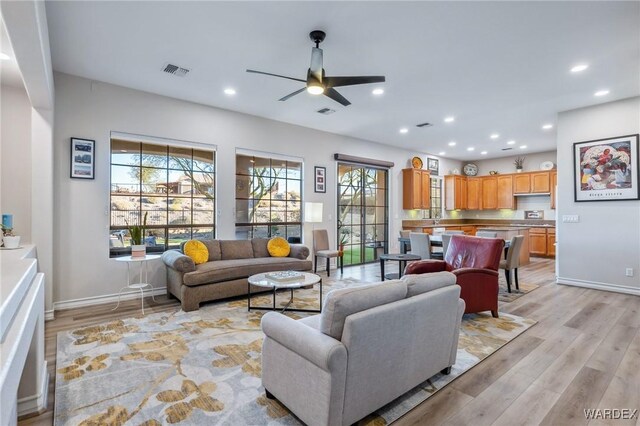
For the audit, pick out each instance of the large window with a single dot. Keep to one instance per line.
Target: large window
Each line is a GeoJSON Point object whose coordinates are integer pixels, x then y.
{"type": "Point", "coordinates": [268, 197]}
{"type": "Point", "coordinates": [173, 185]}
{"type": "Point", "coordinates": [435, 211]}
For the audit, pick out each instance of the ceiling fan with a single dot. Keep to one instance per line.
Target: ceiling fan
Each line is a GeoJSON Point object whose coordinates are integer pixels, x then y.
{"type": "Point", "coordinates": [317, 83]}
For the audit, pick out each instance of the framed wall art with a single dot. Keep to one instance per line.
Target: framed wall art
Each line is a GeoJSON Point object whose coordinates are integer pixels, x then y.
{"type": "Point", "coordinates": [433, 165]}
{"type": "Point", "coordinates": [83, 165]}
{"type": "Point", "coordinates": [606, 169]}
{"type": "Point", "coordinates": [320, 179]}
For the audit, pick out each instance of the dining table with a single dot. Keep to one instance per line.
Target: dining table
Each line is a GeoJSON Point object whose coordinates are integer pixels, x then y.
{"type": "Point", "coordinates": [436, 241]}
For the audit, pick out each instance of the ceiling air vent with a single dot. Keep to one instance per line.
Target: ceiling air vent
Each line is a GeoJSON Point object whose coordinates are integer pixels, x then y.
{"type": "Point", "coordinates": [326, 111]}
{"type": "Point", "coordinates": [175, 70]}
{"type": "Point", "coordinates": [507, 149]}
{"type": "Point", "coordinates": [424, 125]}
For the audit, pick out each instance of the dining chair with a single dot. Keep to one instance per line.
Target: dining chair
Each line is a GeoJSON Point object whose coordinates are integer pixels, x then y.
{"type": "Point", "coordinates": [420, 245]}
{"type": "Point", "coordinates": [321, 249]}
{"type": "Point", "coordinates": [512, 261]}
{"type": "Point", "coordinates": [446, 239]}
{"type": "Point", "coordinates": [404, 234]}
{"type": "Point", "coordinates": [487, 234]}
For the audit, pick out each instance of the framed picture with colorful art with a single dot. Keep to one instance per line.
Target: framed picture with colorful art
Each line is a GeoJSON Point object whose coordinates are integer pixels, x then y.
{"type": "Point", "coordinates": [606, 169]}
{"type": "Point", "coordinates": [83, 153]}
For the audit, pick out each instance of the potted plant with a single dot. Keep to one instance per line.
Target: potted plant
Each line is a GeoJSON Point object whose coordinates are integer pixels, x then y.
{"type": "Point", "coordinates": [10, 240]}
{"type": "Point", "coordinates": [343, 240]}
{"type": "Point", "coordinates": [136, 232]}
{"type": "Point", "coordinates": [519, 162]}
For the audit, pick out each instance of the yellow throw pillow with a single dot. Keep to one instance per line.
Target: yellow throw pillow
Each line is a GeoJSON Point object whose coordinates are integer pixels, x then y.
{"type": "Point", "coordinates": [197, 251]}
{"type": "Point", "coordinates": [278, 247]}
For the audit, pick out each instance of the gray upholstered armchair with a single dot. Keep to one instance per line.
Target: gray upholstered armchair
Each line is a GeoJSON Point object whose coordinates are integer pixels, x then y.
{"type": "Point", "coordinates": [334, 368]}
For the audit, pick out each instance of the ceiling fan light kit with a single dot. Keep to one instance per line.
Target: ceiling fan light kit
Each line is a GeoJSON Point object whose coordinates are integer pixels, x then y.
{"type": "Point", "coordinates": [317, 83]}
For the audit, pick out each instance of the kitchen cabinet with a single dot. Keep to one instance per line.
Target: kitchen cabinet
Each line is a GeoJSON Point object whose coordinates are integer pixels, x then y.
{"type": "Point", "coordinates": [554, 184]}
{"type": "Point", "coordinates": [455, 191]}
{"type": "Point", "coordinates": [416, 187]}
{"type": "Point", "coordinates": [490, 193]}
{"type": "Point", "coordinates": [522, 183]}
{"type": "Point", "coordinates": [474, 193]}
{"type": "Point", "coordinates": [540, 183]}
{"type": "Point", "coordinates": [505, 198]}
{"type": "Point", "coordinates": [538, 241]}
{"type": "Point", "coordinates": [551, 242]}
{"type": "Point", "coordinates": [532, 183]}
{"type": "Point", "coordinates": [542, 242]}
{"type": "Point", "coordinates": [468, 230]}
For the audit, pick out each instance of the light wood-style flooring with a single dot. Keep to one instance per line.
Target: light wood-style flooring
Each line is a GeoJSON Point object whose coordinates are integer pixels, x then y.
{"type": "Point", "coordinates": [583, 353]}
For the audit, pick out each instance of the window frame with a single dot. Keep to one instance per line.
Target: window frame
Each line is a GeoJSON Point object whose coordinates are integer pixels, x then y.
{"type": "Point", "coordinates": [251, 227]}
{"type": "Point", "coordinates": [435, 183]}
{"type": "Point", "coordinates": [167, 227]}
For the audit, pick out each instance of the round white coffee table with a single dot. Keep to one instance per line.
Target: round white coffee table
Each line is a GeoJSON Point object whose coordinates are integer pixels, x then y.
{"type": "Point", "coordinates": [144, 276]}
{"type": "Point", "coordinates": [261, 280]}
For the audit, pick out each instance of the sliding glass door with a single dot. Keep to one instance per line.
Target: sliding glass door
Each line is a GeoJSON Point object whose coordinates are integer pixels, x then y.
{"type": "Point", "coordinates": [363, 212]}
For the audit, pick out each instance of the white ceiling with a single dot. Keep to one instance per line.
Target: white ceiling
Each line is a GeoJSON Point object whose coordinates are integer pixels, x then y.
{"type": "Point", "coordinates": [498, 67]}
{"type": "Point", "coordinates": [9, 71]}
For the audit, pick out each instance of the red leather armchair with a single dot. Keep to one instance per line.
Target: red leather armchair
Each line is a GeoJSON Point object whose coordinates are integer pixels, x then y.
{"type": "Point", "coordinates": [475, 262]}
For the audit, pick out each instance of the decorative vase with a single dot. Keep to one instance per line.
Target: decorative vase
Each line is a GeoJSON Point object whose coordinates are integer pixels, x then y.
{"type": "Point", "coordinates": [518, 170]}
{"type": "Point", "coordinates": [11, 242]}
{"type": "Point", "coordinates": [138, 250]}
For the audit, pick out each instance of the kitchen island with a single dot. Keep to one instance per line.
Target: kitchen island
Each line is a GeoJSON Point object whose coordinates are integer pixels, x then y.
{"type": "Point", "coordinates": [507, 233]}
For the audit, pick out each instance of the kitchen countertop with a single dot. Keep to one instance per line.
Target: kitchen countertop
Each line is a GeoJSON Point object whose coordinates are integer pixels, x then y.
{"type": "Point", "coordinates": [522, 223]}
{"type": "Point", "coordinates": [503, 228]}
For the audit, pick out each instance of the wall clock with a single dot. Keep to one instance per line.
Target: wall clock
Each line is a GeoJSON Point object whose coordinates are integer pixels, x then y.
{"type": "Point", "coordinates": [470, 169]}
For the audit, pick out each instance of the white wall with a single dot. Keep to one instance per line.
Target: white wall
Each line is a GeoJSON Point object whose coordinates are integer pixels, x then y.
{"type": "Point", "coordinates": [595, 252]}
{"type": "Point", "coordinates": [15, 155]}
{"type": "Point", "coordinates": [92, 110]}
{"type": "Point", "coordinates": [505, 165]}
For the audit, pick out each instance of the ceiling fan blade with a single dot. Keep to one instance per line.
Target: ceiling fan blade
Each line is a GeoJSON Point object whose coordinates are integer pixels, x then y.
{"type": "Point", "coordinates": [290, 95]}
{"type": "Point", "coordinates": [316, 63]}
{"type": "Point", "coordinates": [276, 75]}
{"type": "Point", "coordinates": [333, 94]}
{"type": "Point", "coordinates": [352, 80]}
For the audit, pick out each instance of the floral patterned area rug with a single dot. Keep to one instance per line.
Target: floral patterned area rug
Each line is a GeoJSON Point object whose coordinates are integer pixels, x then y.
{"type": "Point", "coordinates": [203, 367]}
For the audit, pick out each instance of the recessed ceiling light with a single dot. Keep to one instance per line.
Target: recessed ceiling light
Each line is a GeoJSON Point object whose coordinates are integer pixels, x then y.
{"type": "Point", "coordinates": [441, 153]}
{"type": "Point", "coordinates": [601, 93]}
{"type": "Point", "coordinates": [511, 143]}
{"type": "Point", "coordinates": [547, 126]}
{"type": "Point", "coordinates": [377, 91]}
{"type": "Point", "coordinates": [494, 136]}
{"type": "Point", "coordinates": [4, 57]}
{"type": "Point", "coordinates": [404, 130]}
{"type": "Point", "coordinates": [483, 153]}
{"type": "Point", "coordinates": [470, 148]}
{"type": "Point", "coordinates": [523, 147]}
{"type": "Point", "coordinates": [452, 143]}
{"type": "Point", "coordinates": [230, 91]}
{"type": "Point", "coordinates": [579, 68]}
{"type": "Point", "coordinates": [449, 119]}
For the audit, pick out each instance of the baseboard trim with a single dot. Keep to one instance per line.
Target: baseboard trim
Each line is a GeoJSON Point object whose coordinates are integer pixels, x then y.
{"type": "Point", "coordinates": [107, 298]}
{"type": "Point", "coordinates": [50, 315]}
{"type": "Point", "coordinates": [599, 286]}
{"type": "Point", "coordinates": [36, 403]}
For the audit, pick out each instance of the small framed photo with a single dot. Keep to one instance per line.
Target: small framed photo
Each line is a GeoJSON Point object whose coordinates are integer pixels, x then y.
{"type": "Point", "coordinates": [433, 165]}
{"type": "Point", "coordinates": [606, 169]}
{"type": "Point", "coordinates": [83, 164]}
{"type": "Point", "coordinates": [320, 179]}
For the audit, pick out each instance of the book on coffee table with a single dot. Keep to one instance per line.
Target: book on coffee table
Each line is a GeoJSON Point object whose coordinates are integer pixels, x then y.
{"type": "Point", "coordinates": [284, 276]}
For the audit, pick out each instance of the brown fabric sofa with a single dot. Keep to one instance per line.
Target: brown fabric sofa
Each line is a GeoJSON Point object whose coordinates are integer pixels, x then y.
{"type": "Point", "coordinates": [230, 263]}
